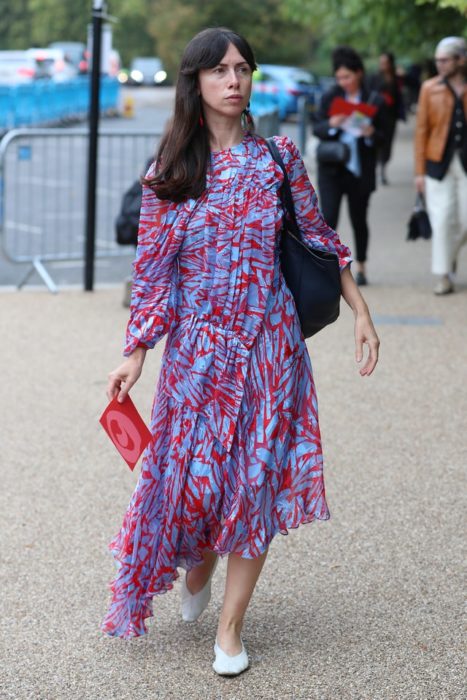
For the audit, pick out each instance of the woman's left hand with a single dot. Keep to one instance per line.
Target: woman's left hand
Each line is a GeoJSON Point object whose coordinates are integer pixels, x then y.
{"type": "Point", "coordinates": [365, 334]}
{"type": "Point", "coordinates": [368, 131]}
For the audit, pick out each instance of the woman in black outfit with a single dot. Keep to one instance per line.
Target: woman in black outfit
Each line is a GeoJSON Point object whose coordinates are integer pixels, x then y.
{"type": "Point", "coordinates": [387, 84]}
{"type": "Point", "coordinates": [357, 176]}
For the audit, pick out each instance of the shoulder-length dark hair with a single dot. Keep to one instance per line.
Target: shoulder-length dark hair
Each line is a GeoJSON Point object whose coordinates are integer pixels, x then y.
{"type": "Point", "coordinates": [392, 62]}
{"type": "Point", "coordinates": [184, 151]}
{"type": "Point", "coordinates": [347, 57]}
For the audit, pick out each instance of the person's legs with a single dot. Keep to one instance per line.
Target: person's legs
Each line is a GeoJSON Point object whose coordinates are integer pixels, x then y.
{"type": "Point", "coordinates": [441, 206]}
{"type": "Point", "coordinates": [242, 575]}
{"type": "Point", "coordinates": [460, 234]}
{"type": "Point", "coordinates": [358, 213]}
{"type": "Point", "coordinates": [384, 151]}
{"type": "Point", "coordinates": [330, 192]}
{"type": "Point", "coordinates": [198, 577]}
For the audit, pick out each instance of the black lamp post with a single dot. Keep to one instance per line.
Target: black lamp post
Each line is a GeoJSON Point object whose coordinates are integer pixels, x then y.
{"type": "Point", "coordinates": [98, 12]}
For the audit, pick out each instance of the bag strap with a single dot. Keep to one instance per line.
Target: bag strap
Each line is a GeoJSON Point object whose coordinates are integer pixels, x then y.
{"type": "Point", "coordinates": [420, 204]}
{"type": "Point", "coordinates": [285, 192]}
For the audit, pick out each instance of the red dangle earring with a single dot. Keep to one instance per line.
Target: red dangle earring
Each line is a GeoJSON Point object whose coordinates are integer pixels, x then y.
{"type": "Point", "coordinates": [248, 123]}
{"type": "Point", "coordinates": [201, 120]}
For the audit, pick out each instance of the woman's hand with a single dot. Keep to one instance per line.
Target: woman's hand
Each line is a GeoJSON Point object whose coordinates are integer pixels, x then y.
{"type": "Point", "coordinates": [420, 184]}
{"type": "Point", "coordinates": [336, 120]}
{"type": "Point", "coordinates": [126, 374]}
{"type": "Point", "coordinates": [365, 333]}
{"type": "Point", "coordinates": [368, 131]}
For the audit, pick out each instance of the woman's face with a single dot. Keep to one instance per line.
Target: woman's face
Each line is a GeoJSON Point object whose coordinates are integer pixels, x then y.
{"type": "Point", "coordinates": [225, 89]}
{"type": "Point", "coordinates": [349, 80]}
{"type": "Point", "coordinates": [384, 63]}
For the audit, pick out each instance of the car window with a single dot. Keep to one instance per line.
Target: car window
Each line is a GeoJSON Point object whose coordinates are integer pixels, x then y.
{"type": "Point", "coordinates": [147, 64]}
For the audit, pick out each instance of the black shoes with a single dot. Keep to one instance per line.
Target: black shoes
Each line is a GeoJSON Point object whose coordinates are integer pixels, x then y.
{"type": "Point", "coordinates": [361, 279]}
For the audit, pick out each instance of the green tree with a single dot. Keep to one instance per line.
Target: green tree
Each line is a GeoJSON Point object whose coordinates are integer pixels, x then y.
{"type": "Point", "coordinates": [408, 27]}
{"type": "Point", "coordinates": [131, 34]}
{"type": "Point", "coordinates": [15, 25]}
{"type": "Point", "coordinates": [274, 38]}
{"type": "Point", "coordinates": [460, 5]}
{"type": "Point", "coordinates": [53, 20]}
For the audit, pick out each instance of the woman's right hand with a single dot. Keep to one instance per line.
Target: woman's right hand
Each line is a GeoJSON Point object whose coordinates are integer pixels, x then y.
{"type": "Point", "coordinates": [420, 184]}
{"type": "Point", "coordinates": [336, 120]}
{"type": "Point", "coordinates": [126, 375]}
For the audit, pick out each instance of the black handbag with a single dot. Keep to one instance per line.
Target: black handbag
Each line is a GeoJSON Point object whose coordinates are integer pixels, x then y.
{"type": "Point", "coordinates": [312, 275]}
{"type": "Point", "coordinates": [333, 152]}
{"type": "Point", "coordinates": [419, 224]}
{"type": "Point", "coordinates": [127, 222]}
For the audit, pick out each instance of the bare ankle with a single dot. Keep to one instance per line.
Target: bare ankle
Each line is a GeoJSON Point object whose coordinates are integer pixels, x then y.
{"type": "Point", "coordinates": [231, 626]}
{"type": "Point", "coordinates": [229, 636]}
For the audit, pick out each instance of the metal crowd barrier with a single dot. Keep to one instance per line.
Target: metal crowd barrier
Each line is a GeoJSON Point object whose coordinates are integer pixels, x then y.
{"type": "Point", "coordinates": [267, 121]}
{"type": "Point", "coordinates": [43, 192]}
{"type": "Point", "coordinates": [46, 102]}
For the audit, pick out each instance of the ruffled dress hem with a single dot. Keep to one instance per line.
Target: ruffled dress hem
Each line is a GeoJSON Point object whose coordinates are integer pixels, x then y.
{"type": "Point", "coordinates": [134, 629]}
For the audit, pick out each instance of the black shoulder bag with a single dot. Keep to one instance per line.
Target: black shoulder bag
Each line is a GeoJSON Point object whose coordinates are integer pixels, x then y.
{"type": "Point", "coordinates": [127, 222]}
{"type": "Point", "coordinates": [312, 275]}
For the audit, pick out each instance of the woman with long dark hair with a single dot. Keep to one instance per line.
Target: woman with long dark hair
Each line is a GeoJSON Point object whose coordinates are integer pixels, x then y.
{"type": "Point", "coordinates": [236, 451]}
{"type": "Point", "coordinates": [386, 82]}
{"type": "Point", "coordinates": [353, 174]}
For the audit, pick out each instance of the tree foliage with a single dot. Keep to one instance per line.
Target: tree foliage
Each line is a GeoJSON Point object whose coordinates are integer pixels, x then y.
{"type": "Point", "coordinates": [408, 27]}
{"type": "Point", "coordinates": [460, 5]}
{"type": "Point", "coordinates": [26, 23]}
{"type": "Point", "coordinates": [146, 27]}
{"type": "Point", "coordinates": [274, 38]}
{"type": "Point", "coordinates": [280, 31]}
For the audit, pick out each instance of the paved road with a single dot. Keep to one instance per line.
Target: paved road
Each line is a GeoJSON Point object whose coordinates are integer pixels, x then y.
{"type": "Point", "coordinates": [365, 607]}
{"type": "Point", "coordinates": [51, 173]}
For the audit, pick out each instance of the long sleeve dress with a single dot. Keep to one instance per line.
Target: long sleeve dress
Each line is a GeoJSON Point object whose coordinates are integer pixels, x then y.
{"type": "Point", "coordinates": [236, 452]}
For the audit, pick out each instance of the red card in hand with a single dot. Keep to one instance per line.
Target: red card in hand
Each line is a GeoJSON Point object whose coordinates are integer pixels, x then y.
{"type": "Point", "coordinates": [341, 106]}
{"type": "Point", "coordinates": [126, 429]}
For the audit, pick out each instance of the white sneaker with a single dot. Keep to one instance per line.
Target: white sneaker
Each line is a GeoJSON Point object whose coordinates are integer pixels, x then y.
{"type": "Point", "coordinates": [226, 665]}
{"type": "Point", "coordinates": [194, 604]}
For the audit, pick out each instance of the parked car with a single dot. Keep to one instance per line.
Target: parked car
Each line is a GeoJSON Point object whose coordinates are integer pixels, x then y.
{"type": "Point", "coordinates": [76, 53]}
{"type": "Point", "coordinates": [284, 85]}
{"type": "Point", "coordinates": [54, 64]}
{"type": "Point", "coordinates": [18, 67]}
{"type": "Point", "coordinates": [145, 70]}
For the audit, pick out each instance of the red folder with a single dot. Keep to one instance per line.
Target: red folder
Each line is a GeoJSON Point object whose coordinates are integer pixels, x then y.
{"type": "Point", "coordinates": [341, 106]}
{"type": "Point", "coordinates": [126, 429]}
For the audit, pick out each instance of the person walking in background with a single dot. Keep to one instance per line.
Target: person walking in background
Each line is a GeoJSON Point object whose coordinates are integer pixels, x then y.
{"type": "Point", "coordinates": [441, 157]}
{"type": "Point", "coordinates": [236, 453]}
{"type": "Point", "coordinates": [386, 82]}
{"type": "Point", "coordinates": [351, 114]}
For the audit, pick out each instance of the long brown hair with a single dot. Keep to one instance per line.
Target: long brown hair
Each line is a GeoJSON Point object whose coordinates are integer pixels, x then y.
{"type": "Point", "coordinates": [184, 151]}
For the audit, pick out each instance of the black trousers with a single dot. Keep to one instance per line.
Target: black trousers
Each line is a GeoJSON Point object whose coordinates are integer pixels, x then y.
{"type": "Point", "coordinates": [332, 187]}
{"type": "Point", "coordinates": [385, 150]}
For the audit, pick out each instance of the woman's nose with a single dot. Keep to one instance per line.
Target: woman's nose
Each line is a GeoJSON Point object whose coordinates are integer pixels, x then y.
{"type": "Point", "coordinates": [233, 77]}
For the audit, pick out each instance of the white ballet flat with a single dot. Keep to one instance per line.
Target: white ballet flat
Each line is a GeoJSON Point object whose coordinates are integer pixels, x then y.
{"type": "Point", "coordinates": [194, 604]}
{"type": "Point", "coordinates": [226, 665]}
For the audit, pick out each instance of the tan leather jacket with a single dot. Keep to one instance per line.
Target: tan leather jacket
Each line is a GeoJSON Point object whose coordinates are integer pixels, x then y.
{"type": "Point", "coordinates": [434, 114]}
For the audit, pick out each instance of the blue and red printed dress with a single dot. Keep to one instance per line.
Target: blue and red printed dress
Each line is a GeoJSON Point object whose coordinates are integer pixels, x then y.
{"type": "Point", "coordinates": [236, 455]}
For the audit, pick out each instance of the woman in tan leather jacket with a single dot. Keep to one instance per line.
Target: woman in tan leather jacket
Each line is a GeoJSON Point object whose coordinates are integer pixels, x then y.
{"type": "Point", "coordinates": [441, 157]}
